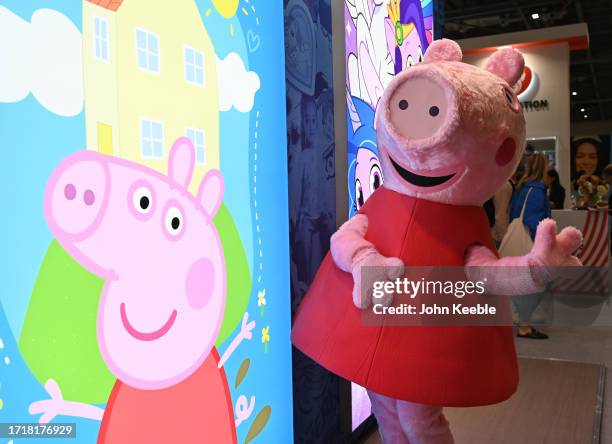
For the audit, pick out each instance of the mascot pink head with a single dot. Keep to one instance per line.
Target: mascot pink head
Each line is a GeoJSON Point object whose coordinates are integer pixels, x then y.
{"type": "Point", "coordinates": [451, 132]}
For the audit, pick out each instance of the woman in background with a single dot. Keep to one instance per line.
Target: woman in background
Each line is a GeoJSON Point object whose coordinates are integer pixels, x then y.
{"type": "Point", "coordinates": [556, 192]}
{"type": "Point", "coordinates": [531, 188]}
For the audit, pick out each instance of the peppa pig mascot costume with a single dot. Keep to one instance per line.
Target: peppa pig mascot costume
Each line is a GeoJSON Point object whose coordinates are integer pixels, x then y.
{"type": "Point", "coordinates": [449, 134]}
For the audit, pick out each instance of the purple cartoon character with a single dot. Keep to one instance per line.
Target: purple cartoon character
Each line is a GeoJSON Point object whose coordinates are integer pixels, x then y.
{"type": "Point", "coordinates": [157, 249]}
{"type": "Point", "coordinates": [407, 38]}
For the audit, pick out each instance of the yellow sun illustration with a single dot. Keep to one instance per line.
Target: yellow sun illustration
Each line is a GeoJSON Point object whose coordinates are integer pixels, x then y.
{"type": "Point", "coordinates": [228, 9]}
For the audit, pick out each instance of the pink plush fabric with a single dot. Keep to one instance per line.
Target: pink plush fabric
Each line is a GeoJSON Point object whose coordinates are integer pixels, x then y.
{"type": "Point", "coordinates": [403, 422]}
{"type": "Point", "coordinates": [527, 274]}
{"type": "Point", "coordinates": [479, 115]}
{"type": "Point", "coordinates": [351, 252]}
{"type": "Point", "coordinates": [507, 64]}
{"type": "Point", "coordinates": [443, 50]}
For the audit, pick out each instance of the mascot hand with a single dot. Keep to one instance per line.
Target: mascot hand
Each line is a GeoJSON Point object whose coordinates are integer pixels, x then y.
{"type": "Point", "coordinates": [370, 267]}
{"type": "Point", "coordinates": [552, 251]}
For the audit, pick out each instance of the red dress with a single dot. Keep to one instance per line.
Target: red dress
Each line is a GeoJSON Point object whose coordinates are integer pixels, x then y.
{"type": "Point", "coordinates": [437, 365]}
{"type": "Point", "coordinates": [196, 410]}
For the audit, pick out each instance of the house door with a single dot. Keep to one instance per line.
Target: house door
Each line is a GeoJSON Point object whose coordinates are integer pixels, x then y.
{"type": "Point", "coordinates": [105, 138]}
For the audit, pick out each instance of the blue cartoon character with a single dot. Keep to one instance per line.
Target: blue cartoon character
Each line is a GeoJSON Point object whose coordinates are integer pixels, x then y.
{"type": "Point", "coordinates": [364, 175]}
{"type": "Point", "coordinates": [407, 37]}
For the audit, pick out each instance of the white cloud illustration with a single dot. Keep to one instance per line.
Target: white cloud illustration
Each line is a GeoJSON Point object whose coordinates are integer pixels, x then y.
{"type": "Point", "coordinates": [42, 57]}
{"type": "Point", "coordinates": [237, 86]}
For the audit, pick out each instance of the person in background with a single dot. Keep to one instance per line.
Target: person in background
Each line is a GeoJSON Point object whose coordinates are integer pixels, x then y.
{"type": "Point", "coordinates": [587, 156]}
{"type": "Point", "coordinates": [537, 209]}
{"type": "Point", "coordinates": [556, 192]}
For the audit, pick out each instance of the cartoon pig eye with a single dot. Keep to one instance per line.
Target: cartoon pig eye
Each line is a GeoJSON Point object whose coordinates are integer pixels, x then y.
{"type": "Point", "coordinates": [358, 194]}
{"type": "Point", "coordinates": [173, 221]}
{"type": "Point", "coordinates": [142, 200]}
{"type": "Point", "coordinates": [375, 178]}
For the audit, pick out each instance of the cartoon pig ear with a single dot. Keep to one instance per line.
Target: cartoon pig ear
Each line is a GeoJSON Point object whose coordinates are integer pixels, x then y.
{"type": "Point", "coordinates": [210, 193]}
{"type": "Point", "coordinates": [506, 63]}
{"type": "Point", "coordinates": [443, 50]}
{"type": "Point", "coordinates": [181, 161]}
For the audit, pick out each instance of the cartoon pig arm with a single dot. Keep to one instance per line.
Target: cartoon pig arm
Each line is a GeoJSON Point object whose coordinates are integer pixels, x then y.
{"type": "Point", "coordinates": [512, 276]}
{"type": "Point", "coordinates": [57, 405]}
{"type": "Point", "coordinates": [245, 333]}
{"type": "Point", "coordinates": [351, 252]}
{"type": "Point", "coordinates": [529, 273]}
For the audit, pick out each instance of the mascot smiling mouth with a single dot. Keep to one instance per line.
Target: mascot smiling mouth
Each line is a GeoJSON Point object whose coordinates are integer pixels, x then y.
{"type": "Point", "coordinates": [417, 179]}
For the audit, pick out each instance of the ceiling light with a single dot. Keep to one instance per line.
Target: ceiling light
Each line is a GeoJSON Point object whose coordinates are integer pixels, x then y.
{"type": "Point", "coordinates": [586, 116]}
{"type": "Point", "coordinates": [581, 110]}
{"type": "Point", "coordinates": [535, 16]}
{"type": "Point", "coordinates": [574, 93]}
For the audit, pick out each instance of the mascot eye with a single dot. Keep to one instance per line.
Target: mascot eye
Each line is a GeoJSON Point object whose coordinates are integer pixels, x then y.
{"type": "Point", "coordinates": [403, 104]}
{"type": "Point", "coordinates": [358, 194]}
{"type": "Point", "coordinates": [511, 99]}
{"type": "Point", "coordinates": [375, 178]}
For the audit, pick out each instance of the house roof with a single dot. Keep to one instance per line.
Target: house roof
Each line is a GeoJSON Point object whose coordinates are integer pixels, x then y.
{"type": "Point", "coordinates": [113, 5]}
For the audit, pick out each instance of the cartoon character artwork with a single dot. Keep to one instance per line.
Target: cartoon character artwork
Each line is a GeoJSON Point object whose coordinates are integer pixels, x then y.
{"type": "Point", "coordinates": [443, 154]}
{"type": "Point", "coordinates": [365, 173]}
{"type": "Point", "coordinates": [382, 37]}
{"type": "Point", "coordinates": [159, 253]}
{"type": "Point", "coordinates": [368, 64]}
{"type": "Point", "coordinates": [407, 38]}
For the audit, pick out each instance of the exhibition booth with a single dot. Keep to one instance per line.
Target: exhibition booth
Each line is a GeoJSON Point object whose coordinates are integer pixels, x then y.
{"type": "Point", "coordinates": [174, 172]}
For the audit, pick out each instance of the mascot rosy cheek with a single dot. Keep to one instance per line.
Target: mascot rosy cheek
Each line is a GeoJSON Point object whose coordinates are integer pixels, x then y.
{"type": "Point", "coordinates": [449, 134]}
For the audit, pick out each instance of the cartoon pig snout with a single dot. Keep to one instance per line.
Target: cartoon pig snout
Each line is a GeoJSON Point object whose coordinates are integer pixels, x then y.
{"type": "Point", "coordinates": [76, 195]}
{"type": "Point", "coordinates": [420, 106]}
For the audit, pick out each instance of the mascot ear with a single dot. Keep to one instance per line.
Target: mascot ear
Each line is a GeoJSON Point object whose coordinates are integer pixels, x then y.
{"type": "Point", "coordinates": [506, 63]}
{"type": "Point", "coordinates": [443, 50]}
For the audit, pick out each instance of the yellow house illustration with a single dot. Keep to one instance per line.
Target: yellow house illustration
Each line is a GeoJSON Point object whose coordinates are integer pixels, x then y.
{"type": "Point", "coordinates": [149, 78]}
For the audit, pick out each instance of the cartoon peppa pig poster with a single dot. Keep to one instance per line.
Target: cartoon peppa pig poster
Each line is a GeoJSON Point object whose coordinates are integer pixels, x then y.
{"type": "Point", "coordinates": [145, 293]}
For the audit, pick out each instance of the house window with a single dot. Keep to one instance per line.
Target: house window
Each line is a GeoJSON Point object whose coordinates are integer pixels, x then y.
{"type": "Point", "coordinates": [101, 39]}
{"type": "Point", "coordinates": [194, 66]}
{"type": "Point", "coordinates": [147, 50]}
{"type": "Point", "coordinates": [151, 139]}
{"type": "Point", "coordinates": [197, 138]}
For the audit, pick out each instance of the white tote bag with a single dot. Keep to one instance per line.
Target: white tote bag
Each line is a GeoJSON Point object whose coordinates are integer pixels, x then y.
{"type": "Point", "coordinates": [517, 241]}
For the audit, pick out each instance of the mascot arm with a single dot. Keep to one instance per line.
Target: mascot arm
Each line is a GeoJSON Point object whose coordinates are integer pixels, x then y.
{"type": "Point", "coordinates": [351, 252]}
{"type": "Point", "coordinates": [529, 273]}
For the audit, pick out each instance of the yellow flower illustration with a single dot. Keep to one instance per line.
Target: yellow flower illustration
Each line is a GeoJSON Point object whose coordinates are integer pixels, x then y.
{"type": "Point", "coordinates": [261, 300]}
{"type": "Point", "coordinates": [265, 337]}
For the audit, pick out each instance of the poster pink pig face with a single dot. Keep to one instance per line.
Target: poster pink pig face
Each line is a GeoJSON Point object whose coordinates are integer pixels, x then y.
{"type": "Point", "coordinates": [157, 249]}
{"type": "Point", "coordinates": [451, 132]}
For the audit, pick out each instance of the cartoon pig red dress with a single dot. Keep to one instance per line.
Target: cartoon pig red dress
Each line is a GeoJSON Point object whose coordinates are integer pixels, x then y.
{"type": "Point", "coordinates": [196, 410]}
{"type": "Point", "coordinates": [446, 366]}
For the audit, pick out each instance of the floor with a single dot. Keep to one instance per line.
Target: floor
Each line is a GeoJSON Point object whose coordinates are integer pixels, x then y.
{"type": "Point", "coordinates": [581, 344]}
